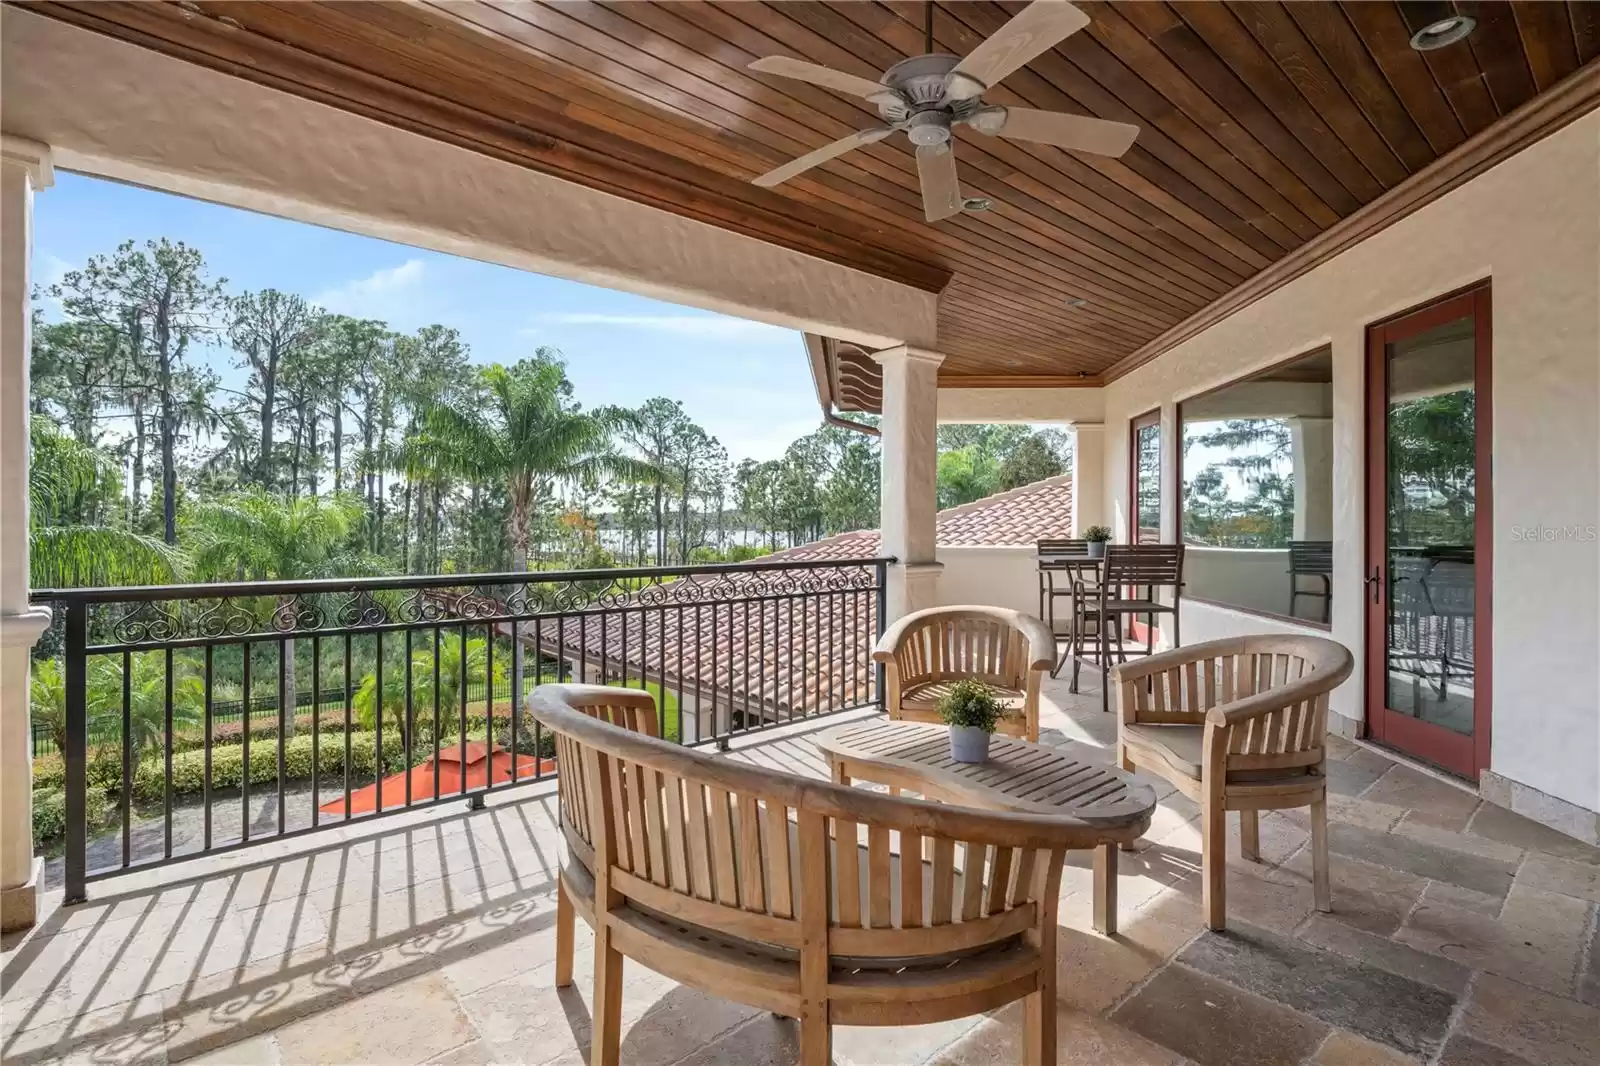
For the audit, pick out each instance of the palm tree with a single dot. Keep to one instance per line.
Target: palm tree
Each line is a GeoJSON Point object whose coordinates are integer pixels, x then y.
{"type": "Point", "coordinates": [62, 551]}
{"type": "Point", "coordinates": [532, 437]}
{"type": "Point", "coordinates": [453, 679]}
{"type": "Point", "coordinates": [261, 537]}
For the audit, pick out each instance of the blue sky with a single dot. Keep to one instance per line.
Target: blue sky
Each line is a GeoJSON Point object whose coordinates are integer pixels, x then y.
{"type": "Point", "coordinates": [745, 382]}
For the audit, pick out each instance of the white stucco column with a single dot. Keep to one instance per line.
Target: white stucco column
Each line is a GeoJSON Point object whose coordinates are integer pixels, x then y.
{"type": "Point", "coordinates": [24, 167]}
{"type": "Point", "coordinates": [1088, 476]}
{"type": "Point", "coordinates": [910, 502]}
{"type": "Point", "coordinates": [1312, 445]}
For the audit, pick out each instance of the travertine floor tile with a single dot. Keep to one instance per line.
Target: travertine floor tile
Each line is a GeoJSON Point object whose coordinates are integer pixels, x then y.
{"type": "Point", "coordinates": [1217, 1025]}
{"type": "Point", "coordinates": [1081, 1040]}
{"type": "Point", "coordinates": [1550, 874]}
{"type": "Point", "coordinates": [1542, 1029]}
{"type": "Point", "coordinates": [1375, 1003]}
{"type": "Point", "coordinates": [1348, 1049]}
{"type": "Point", "coordinates": [1430, 800]}
{"type": "Point", "coordinates": [1537, 939]}
{"type": "Point", "coordinates": [409, 1022]}
{"type": "Point", "coordinates": [1497, 823]}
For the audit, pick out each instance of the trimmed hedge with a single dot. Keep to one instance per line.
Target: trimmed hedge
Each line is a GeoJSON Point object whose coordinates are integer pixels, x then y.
{"type": "Point", "coordinates": [227, 764]}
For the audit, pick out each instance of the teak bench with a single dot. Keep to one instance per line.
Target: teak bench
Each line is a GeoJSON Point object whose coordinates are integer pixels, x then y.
{"type": "Point", "coordinates": [749, 883]}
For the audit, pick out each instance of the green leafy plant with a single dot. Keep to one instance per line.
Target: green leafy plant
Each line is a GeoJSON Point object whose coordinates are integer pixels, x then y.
{"type": "Point", "coordinates": [972, 704]}
{"type": "Point", "coordinates": [1099, 534]}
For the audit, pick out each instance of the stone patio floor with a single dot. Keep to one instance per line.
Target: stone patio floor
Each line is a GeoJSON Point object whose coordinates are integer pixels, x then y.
{"type": "Point", "coordinates": [1461, 934]}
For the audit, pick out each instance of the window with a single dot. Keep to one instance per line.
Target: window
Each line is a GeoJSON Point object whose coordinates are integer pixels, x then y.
{"type": "Point", "coordinates": [1146, 490]}
{"type": "Point", "coordinates": [1257, 502]}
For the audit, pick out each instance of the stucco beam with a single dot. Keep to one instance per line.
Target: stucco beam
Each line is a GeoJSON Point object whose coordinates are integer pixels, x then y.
{"type": "Point", "coordinates": [989, 405]}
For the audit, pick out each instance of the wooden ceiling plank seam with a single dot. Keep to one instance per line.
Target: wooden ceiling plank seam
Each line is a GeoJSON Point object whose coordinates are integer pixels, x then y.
{"type": "Point", "coordinates": [1545, 114]}
{"type": "Point", "coordinates": [164, 32]}
{"type": "Point", "coordinates": [1052, 78]}
{"type": "Point", "coordinates": [1584, 20]}
{"type": "Point", "coordinates": [1063, 217]}
{"type": "Point", "coordinates": [1545, 31]}
{"type": "Point", "coordinates": [1051, 322]}
{"type": "Point", "coordinates": [1384, 33]}
{"type": "Point", "coordinates": [1031, 250]}
{"type": "Point", "coordinates": [1168, 79]}
{"type": "Point", "coordinates": [303, 11]}
{"type": "Point", "coordinates": [1499, 50]}
{"type": "Point", "coordinates": [1076, 284]}
{"type": "Point", "coordinates": [991, 293]}
{"type": "Point", "coordinates": [1129, 197]}
{"type": "Point", "coordinates": [1099, 197]}
{"type": "Point", "coordinates": [996, 224]}
{"type": "Point", "coordinates": [1190, 52]}
{"type": "Point", "coordinates": [1231, 40]}
{"type": "Point", "coordinates": [989, 296]}
{"type": "Point", "coordinates": [1341, 48]}
{"type": "Point", "coordinates": [1031, 213]}
{"type": "Point", "coordinates": [1272, 212]}
{"type": "Point", "coordinates": [1456, 73]}
{"type": "Point", "coordinates": [1282, 39]}
{"type": "Point", "coordinates": [1201, 221]}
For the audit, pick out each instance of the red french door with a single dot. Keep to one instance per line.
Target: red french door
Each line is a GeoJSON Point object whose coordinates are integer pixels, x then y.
{"type": "Point", "coordinates": [1429, 532]}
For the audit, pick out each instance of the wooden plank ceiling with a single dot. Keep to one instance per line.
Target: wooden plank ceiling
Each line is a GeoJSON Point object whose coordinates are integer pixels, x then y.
{"type": "Point", "coordinates": [1262, 125]}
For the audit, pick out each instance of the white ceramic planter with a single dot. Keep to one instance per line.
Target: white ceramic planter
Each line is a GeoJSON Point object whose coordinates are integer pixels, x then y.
{"type": "Point", "coordinates": [969, 743]}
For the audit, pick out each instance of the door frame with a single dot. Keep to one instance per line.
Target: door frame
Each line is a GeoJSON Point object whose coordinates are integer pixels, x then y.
{"type": "Point", "coordinates": [1135, 424]}
{"type": "Point", "coordinates": [1462, 755]}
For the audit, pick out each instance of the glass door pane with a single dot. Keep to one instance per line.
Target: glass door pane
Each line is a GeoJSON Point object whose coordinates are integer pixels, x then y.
{"type": "Point", "coordinates": [1147, 480]}
{"type": "Point", "coordinates": [1431, 431]}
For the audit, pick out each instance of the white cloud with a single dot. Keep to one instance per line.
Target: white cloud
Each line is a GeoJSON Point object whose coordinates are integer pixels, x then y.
{"type": "Point", "coordinates": [702, 327]}
{"type": "Point", "coordinates": [380, 294]}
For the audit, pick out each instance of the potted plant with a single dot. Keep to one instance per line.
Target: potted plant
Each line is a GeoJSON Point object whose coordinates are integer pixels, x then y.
{"type": "Point", "coordinates": [971, 711]}
{"type": "Point", "coordinates": [1097, 537]}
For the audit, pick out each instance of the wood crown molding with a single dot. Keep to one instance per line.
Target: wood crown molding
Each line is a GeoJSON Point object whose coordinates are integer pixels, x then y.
{"type": "Point", "coordinates": [1566, 102]}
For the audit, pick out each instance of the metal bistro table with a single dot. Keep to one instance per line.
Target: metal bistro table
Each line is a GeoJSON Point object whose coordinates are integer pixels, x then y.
{"type": "Point", "coordinates": [1071, 569]}
{"type": "Point", "coordinates": [1018, 776]}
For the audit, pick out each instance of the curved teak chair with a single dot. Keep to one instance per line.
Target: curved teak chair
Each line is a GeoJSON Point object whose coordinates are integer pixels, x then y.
{"type": "Point", "coordinates": [753, 884]}
{"type": "Point", "coordinates": [1236, 725]}
{"type": "Point", "coordinates": [926, 652]}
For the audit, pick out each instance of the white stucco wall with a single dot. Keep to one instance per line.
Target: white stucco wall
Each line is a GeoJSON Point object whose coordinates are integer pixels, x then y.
{"type": "Point", "coordinates": [116, 110]}
{"type": "Point", "coordinates": [1532, 226]}
{"type": "Point", "coordinates": [999, 577]}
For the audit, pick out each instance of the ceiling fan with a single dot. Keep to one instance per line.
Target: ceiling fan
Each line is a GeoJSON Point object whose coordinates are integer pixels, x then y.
{"type": "Point", "coordinates": [928, 94]}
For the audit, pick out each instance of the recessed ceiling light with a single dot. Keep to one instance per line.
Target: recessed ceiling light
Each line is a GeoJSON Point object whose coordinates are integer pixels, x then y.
{"type": "Point", "coordinates": [977, 203]}
{"type": "Point", "coordinates": [1077, 301]}
{"type": "Point", "coordinates": [1443, 32]}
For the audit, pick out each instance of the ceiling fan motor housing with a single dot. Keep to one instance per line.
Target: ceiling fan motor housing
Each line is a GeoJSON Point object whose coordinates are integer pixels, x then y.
{"type": "Point", "coordinates": [919, 87]}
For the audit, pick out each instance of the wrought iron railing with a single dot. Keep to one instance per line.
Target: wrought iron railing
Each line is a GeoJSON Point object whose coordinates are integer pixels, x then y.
{"type": "Point", "coordinates": [423, 674]}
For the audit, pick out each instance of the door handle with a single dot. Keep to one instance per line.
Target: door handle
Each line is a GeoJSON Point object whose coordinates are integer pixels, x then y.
{"type": "Point", "coordinates": [1376, 583]}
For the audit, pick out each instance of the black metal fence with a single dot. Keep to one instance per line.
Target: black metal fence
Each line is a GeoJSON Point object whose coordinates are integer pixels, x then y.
{"type": "Point", "coordinates": [157, 769]}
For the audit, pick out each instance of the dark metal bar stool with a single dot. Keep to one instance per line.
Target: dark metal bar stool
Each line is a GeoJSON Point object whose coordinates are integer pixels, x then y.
{"type": "Point", "coordinates": [1128, 568]}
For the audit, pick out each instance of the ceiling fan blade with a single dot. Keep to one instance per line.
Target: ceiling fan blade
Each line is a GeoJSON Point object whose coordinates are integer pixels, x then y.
{"type": "Point", "coordinates": [821, 155]}
{"type": "Point", "coordinates": [941, 187]}
{"type": "Point", "coordinates": [816, 74]}
{"type": "Point", "coordinates": [1039, 26]}
{"type": "Point", "coordinates": [1080, 133]}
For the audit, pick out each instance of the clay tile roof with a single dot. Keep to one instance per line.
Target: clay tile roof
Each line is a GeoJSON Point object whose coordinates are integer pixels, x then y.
{"type": "Point", "coordinates": [1015, 518]}
{"type": "Point", "coordinates": [735, 653]}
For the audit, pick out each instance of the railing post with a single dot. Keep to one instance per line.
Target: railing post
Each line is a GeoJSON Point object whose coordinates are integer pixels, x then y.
{"type": "Point", "coordinates": [76, 756]}
{"type": "Point", "coordinates": [883, 624]}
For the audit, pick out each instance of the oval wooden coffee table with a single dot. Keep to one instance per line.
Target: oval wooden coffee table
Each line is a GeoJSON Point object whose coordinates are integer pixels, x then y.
{"type": "Point", "coordinates": [915, 757]}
